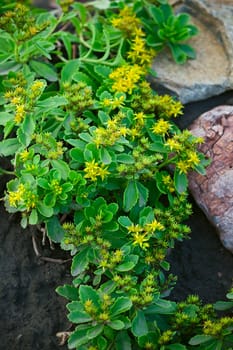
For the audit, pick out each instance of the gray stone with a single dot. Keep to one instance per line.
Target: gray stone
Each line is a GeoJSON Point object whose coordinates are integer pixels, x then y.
{"type": "Point", "coordinates": [211, 73]}
{"type": "Point", "coordinates": [214, 192]}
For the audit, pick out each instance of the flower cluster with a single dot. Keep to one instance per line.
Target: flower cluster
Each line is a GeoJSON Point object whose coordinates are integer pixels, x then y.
{"type": "Point", "coordinates": [93, 170]}
{"type": "Point", "coordinates": [23, 198]}
{"type": "Point", "coordinates": [142, 234]}
{"type": "Point", "coordinates": [126, 77]}
{"type": "Point", "coordinates": [21, 23]}
{"type": "Point", "coordinates": [108, 136]}
{"type": "Point", "coordinates": [139, 53]}
{"type": "Point", "coordinates": [21, 99]}
{"type": "Point", "coordinates": [127, 22]}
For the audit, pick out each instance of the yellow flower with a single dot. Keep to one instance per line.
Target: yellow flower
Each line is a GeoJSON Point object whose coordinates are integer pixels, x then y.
{"type": "Point", "coordinates": [161, 127]}
{"type": "Point", "coordinates": [19, 114]}
{"type": "Point", "coordinates": [104, 316]}
{"type": "Point", "coordinates": [193, 158]}
{"type": "Point", "coordinates": [32, 30]}
{"type": "Point", "coordinates": [126, 77]}
{"type": "Point", "coordinates": [93, 170]}
{"type": "Point", "coordinates": [168, 182]}
{"type": "Point", "coordinates": [153, 226]}
{"type": "Point", "coordinates": [135, 132]}
{"type": "Point", "coordinates": [16, 100]}
{"type": "Point", "coordinates": [183, 166]}
{"type": "Point", "coordinates": [134, 228]}
{"type": "Point", "coordinates": [139, 53]}
{"type": "Point", "coordinates": [141, 239]}
{"type": "Point", "coordinates": [126, 21]}
{"type": "Point", "coordinates": [173, 144]}
{"type": "Point", "coordinates": [37, 85]}
{"type": "Point", "coordinates": [14, 197]}
{"type": "Point", "coordinates": [24, 155]}
{"type": "Point", "coordinates": [140, 118]}
{"type": "Point", "coordinates": [103, 172]}
{"type": "Point", "coordinates": [176, 109]}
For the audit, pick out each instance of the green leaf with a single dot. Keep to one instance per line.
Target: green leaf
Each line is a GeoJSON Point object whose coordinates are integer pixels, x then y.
{"type": "Point", "coordinates": [200, 169]}
{"type": "Point", "coordinates": [80, 262]}
{"type": "Point", "coordinates": [223, 305]}
{"type": "Point", "coordinates": [180, 181]}
{"type": "Point", "coordinates": [161, 306]}
{"type": "Point", "coordinates": [54, 229]}
{"type": "Point", "coordinates": [156, 14]}
{"type": "Point", "coordinates": [125, 158]}
{"type": "Point", "coordinates": [68, 292]}
{"type": "Point", "coordinates": [229, 295]}
{"type": "Point", "coordinates": [139, 324]}
{"type": "Point", "coordinates": [28, 124]}
{"type": "Point", "coordinates": [151, 337]}
{"type": "Point", "coordinates": [123, 341]}
{"type": "Point", "coordinates": [105, 156]}
{"type": "Point", "coordinates": [69, 69]}
{"type": "Point", "coordinates": [50, 199]}
{"type": "Point", "coordinates": [176, 346]}
{"type": "Point", "coordinates": [116, 324]}
{"type": "Point", "coordinates": [95, 331]}
{"type": "Point", "coordinates": [6, 117]}
{"type": "Point", "coordinates": [79, 317]}
{"type": "Point", "coordinates": [143, 193]}
{"type": "Point", "coordinates": [200, 339]}
{"type": "Point", "coordinates": [10, 124]}
{"type": "Point", "coordinates": [44, 210]}
{"type": "Point", "coordinates": [62, 167]}
{"type": "Point", "coordinates": [165, 265]}
{"type": "Point", "coordinates": [158, 147]}
{"type": "Point", "coordinates": [9, 147]}
{"type": "Point", "coordinates": [177, 53]}
{"type": "Point", "coordinates": [78, 338]}
{"type": "Point", "coordinates": [88, 293]}
{"type": "Point", "coordinates": [102, 343]}
{"type": "Point", "coordinates": [124, 221]}
{"type": "Point", "coordinates": [52, 103]}
{"type": "Point", "coordinates": [43, 183]}
{"type": "Point", "coordinates": [77, 155]}
{"type": "Point", "coordinates": [102, 71]}
{"type": "Point", "coordinates": [120, 305]}
{"type": "Point", "coordinates": [129, 263]}
{"type": "Point", "coordinates": [130, 196]}
{"type": "Point", "coordinates": [44, 70]}
{"type": "Point", "coordinates": [7, 67]}
{"type": "Point", "coordinates": [80, 76]}
{"type": "Point", "coordinates": [101, 4]}
{"type": "Point", "coordinates": [103, 117]}
{"type": "Point", "coordinates": [33, 218]}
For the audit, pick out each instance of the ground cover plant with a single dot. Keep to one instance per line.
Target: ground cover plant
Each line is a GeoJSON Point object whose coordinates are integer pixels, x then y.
{"type": "Point", "coordinates": [99, 164]}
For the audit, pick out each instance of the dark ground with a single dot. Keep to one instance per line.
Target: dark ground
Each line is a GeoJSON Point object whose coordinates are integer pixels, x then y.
{"type": "Point", "coordinates": [30, 311]}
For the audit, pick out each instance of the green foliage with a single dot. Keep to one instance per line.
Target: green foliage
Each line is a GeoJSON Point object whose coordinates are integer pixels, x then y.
{"type": "Point", "coordinates": [172, 30]}
{"type": "Point", "coordinates": [99, 163]}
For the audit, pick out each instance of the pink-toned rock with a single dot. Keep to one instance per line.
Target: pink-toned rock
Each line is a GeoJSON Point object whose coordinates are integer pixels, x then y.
{"type": "Point", "coordinates": [214, 192]}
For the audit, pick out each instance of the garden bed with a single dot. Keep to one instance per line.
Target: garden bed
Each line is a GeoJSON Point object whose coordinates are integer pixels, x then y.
{"type": "Point", "coordinates": [31, 311]}
{"type": "Point", "coordinates": [92, 146]}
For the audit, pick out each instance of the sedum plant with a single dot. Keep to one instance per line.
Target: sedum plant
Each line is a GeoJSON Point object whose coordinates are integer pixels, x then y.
{"type": "Point", "coordinates": [98, 162]}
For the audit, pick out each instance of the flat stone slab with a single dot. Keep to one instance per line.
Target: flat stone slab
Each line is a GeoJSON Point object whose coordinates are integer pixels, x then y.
{"type": "Point", "coordinates": [214, 192]}
{"type": "Point", "coordinates": [211, 73]}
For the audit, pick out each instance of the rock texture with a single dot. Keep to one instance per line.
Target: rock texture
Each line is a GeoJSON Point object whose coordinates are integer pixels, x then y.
{"type": "Point", "coordinates": [214, 192]}
{"type": "Point", "coordinates": [211, 73]}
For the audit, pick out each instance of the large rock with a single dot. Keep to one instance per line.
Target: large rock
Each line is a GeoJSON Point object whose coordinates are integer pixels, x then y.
{"type": "Point", "coordinates": [211, 73]}
{"type": "Point", "coordinates": [214, 192]}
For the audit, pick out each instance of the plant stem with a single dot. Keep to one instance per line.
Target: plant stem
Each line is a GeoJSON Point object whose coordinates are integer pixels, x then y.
{"type": "Point", "coordinates": [166, 162]}
{"type": "Point", "coordinates": [8, 172]}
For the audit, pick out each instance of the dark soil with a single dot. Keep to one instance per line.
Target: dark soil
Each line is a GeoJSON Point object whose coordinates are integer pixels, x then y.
{"type": "Point", "coordinates": [31, 313]}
